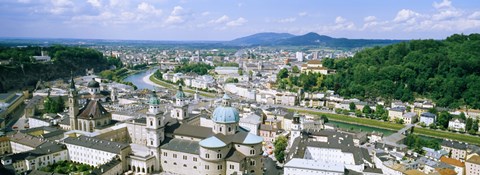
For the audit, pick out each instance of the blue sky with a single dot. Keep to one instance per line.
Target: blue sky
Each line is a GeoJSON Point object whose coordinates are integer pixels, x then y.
{"type": "Point", "coordinates": [229, 19]}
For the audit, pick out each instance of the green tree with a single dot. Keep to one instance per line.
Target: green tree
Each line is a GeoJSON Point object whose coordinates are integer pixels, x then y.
{"type": "Point", "coordinates": [280, 145]}
{"type": "Point", "coordinates": [240, 71]}
{"type": "Point", "coordinates": [352, 106]}
{"type": "Point", "coordinates": [231, 80]}
{"type": "Point", "coordinates": [468, 124]}
{"type": "Point", "coordinates": [158, 74]}
{"type": "Point", "coordinates": [324, 118]}
{"type": "Point", "coordinates": [367, 110]}
{"type": "Point", "coordinates": [283, 73]}
{"type": "Point", "coordinates": [295, 69]}
{"type": "Point", "coordinates": [475, 125]}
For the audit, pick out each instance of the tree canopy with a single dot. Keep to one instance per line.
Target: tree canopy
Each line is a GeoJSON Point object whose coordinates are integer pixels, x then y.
{"type": "Point", "coordinates": [445, 71]}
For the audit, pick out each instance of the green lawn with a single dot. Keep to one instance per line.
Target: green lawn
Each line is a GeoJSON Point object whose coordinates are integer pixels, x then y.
{"type": "Point", "coordinates": [172, 86]}
{"type": "Point", "coordinates": [394, 126]}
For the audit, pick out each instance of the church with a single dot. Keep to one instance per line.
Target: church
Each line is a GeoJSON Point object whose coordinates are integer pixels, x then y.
{"type": "Point", "coordinates": [168, 141]}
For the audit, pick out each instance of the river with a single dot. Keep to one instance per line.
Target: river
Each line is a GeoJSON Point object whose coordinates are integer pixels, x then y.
{"type": "Point", "coordinates": [354, 127]}
{"type": "Point", "coordinates": [137, 79]}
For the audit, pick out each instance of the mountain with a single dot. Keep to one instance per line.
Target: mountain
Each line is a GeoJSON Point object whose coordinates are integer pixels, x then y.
{"type": "Point", "coordinates": [260, 39]}
{"type": "Point", "coordinates": [309, 39]}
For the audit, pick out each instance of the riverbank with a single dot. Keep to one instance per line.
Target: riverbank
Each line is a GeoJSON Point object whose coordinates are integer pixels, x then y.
{"type": "Point", "coordinates": [150, 79]}
{"type": "Point", "coordinates": [393, 126]}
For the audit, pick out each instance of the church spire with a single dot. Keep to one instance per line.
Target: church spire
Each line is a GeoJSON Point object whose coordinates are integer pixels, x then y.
{"type": "Point", "coordinates": [72, 83]}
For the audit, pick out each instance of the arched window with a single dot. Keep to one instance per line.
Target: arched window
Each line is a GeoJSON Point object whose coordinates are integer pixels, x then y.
{"type": "Point", "coordinates": [229, 129]}
{"type": "Point", "coordinates": [151, 122]}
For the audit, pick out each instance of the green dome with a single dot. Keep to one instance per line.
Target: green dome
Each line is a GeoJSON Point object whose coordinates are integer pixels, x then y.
{"type": "Point", "coordinates": [154, 99]}
{"type": "Point", "coordinates": [93, 84]}
{"type": "Point", "coordinates": [180, 94]}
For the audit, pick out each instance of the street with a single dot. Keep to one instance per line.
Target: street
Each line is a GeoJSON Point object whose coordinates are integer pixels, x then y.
{"type": "Point", "coordinates": [271, 167]}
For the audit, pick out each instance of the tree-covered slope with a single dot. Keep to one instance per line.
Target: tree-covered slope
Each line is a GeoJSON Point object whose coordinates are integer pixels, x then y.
{"type": "Point", "coordinates": [24, 71]}
{"type": "Point", "coordinates": [446, 71]}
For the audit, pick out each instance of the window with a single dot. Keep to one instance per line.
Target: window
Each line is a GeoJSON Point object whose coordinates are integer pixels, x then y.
{"type": "Point", "coordinates": [174, 163]}
{"type": "Point", "coordinates": [206, 167]}
{"type": "Point", "coordinates": [221, 129]}
{"type": "Point", "coordinates": [252, 162]}
{"type": "Point", "coordinates": [165, 161]}
{"type": "Point", "coordinates": [229, 129]}
{"type": "Point", "coordinates": [184, 165]}
{"type": "Point", "coordinates": [174, 155]}
{"type": "Point", "coordinates": [165, 154]}
{"type": "Point", "coordinates": [219, 167]}
{"type": "Point", "coordinates": [232, 167]}
{"type": "Point", "coordinates": [194, 167]}
{"type": "Point", "coordinates": [184, 157]}
{"type": "Point", "coordinates": [194, 159]}
{"type": "Point", "coordinates": [219, 156]}
{"type": "Point", "coordinates": [151, 142]}
{"type": "Point", "coordinates": [252, 152]}
{"type": "Point", "coordinates": [207, 156]}
{"type": "Point", "coordinates": [151, 123]}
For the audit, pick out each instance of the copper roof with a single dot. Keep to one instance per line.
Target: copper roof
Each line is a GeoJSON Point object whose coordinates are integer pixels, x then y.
{"type": "Point", "coordinates": [451, 161]}
{"type": "Point", "coordinates": [93, 110]}
{"type": "Point", "coordinates": [314, 62]}
{"type": "Point", "coordinates": [474, 159]}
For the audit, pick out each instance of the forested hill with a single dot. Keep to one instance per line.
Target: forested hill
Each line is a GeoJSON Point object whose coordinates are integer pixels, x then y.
{"type": "Point", "coordinates": [446, 71]}
{"type": "Point", "coordinates": [22, 70]}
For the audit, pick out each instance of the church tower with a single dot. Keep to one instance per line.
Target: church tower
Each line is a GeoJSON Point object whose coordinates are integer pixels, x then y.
{"type": "Point", "coordinates": [73, 105]}
{"type": "Point", "coordinates": [296, 128]}
{"type": "Point", "coordinates": [155, 128]}
{"type": "Point", "coordinates": [180, 108]}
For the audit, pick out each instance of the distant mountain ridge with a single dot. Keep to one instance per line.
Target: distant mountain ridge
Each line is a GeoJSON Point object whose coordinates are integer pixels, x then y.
{"type": "Point", "coordinates": [309, 39]}
{"type": "Point", "coordinates": [260, 38]}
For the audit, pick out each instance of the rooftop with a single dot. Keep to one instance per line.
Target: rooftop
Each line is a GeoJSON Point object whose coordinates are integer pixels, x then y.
{"type": "Point", "coordinates": [315, 165]}
{"type": "Point", "coordinates": [98, 144]}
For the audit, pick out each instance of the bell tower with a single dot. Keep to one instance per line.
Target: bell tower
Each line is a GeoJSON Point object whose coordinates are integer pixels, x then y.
{"type": "Point", "coordinates": [73, 105]}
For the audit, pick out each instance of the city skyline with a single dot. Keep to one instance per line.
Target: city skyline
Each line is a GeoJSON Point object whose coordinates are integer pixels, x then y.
{"type": "Point", "coordinates": [227, 20]}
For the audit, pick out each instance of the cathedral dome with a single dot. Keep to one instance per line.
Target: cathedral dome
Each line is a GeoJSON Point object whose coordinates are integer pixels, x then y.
{"type": "Point", "coordinates": [180, 94]}
{"type": "Point", "coordinates": [154, 99]}
{"type": "Point", "coordinates": [93, 84]}
{"type": "Point", "coordinates": [223, 114]}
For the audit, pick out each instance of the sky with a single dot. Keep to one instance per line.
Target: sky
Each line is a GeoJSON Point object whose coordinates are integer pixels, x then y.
{"type": "Point", "coordinates": [229, 19]}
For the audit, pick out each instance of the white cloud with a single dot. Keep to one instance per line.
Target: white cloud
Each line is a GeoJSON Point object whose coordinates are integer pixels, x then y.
{"type": "Point", "coordinates": [147, 8]}
{"type": "Point", "coordinates": [61, 6]}
{"type": "Point", "coordinates": [176, 16]}
{"type": "Point", "coordinates": [287, 20]}
{"type": "Point", "coordinates": [222, 19]}
{"type": "Point", "coordinates": [302, 14]}
{"type": "Point", "coordinates": [339, 20]}
{"type": "Point", "coordinates": [475, 15]}
{"type": "Point", "coordinates": [238, 22]}
{"type": "Point", "coordinates": [23, 1]}
{"type": "Point", "coordinates": [406, 15]}
{"type": "Point", "coordinates": [95, 3]}
{"type": "Point", "coordinates": [446, 14]}
{"type": "Point", "coordinates": [443, 4]}
{"type": "Point", "coordinates": [370, 18]}
{"type": "Point", "coordinates": [206, 13]}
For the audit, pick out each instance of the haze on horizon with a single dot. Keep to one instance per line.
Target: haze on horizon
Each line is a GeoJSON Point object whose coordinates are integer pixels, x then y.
{"type": "Point", "coordinates": [227, 20]}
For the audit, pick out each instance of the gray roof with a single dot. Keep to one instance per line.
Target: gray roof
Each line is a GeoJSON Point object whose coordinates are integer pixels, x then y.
{"type": "Point", "coordinates": [181, 145]}
{"type": "Point", "coordinates": [106, 167]}
{"type": "Point", "coordinates": [193, 131]}
{"type": "Point", "coordinates": [235, 156]}
{"type": "Point", "coordinates": [44, 149]}
{"type": "Point", "coordinates": [345, 144]}
{"type": "Point", "coordinates": [94, 143]}
{"type": "Point", "coordinates": [454, 144]}
{"type": "Point", "coordinates": [428, 115]}
{"type": "Point", "coordinates": [26, 139]}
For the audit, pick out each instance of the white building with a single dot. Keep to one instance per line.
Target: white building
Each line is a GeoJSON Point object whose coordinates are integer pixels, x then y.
{"type": "Point", "coordinates": [472, 165]}
{"type": "Point", "coordinates": [456, 125]}
{"type": "Point", "coordinates": [312, 167]}
{"type": "Point", "coordinates": [427, 118]}
{"type": "Point", "coordinates": [251, 122]}
{"type": "Point", "coordinates": [95, 152]}
{"type": "Point", "coordinates": [226, 70]}
{"type": "Point", "coordinates": [299, 56]}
